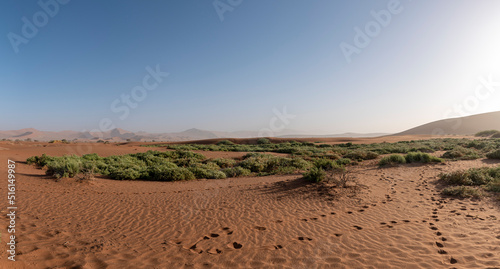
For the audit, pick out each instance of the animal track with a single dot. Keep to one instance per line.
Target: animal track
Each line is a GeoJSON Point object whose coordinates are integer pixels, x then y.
{"type": "Point", "coordinates": [237, 245]}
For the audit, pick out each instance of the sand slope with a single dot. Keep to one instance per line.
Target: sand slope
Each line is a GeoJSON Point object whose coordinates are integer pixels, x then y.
{"type": "Point", "coordinates": [468, 125]}
{"type": "Point", "coordinates": [396, 219]}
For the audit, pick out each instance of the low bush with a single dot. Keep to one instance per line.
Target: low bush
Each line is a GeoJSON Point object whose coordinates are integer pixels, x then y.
{"type": "Point", "coordinates": [494, 154]}
{"type": "Point", "coordinates": [497, 135]}
{"type": "Point", "coordinates": [68, 166]}
{"type": "Point", "coordinates": [315, 174]}
{"type": "Point", "coordinates": [462, 192]}
{"type": "Point", "coordinates": [200, 172]}
{"type": "Point", "coordinates": [461, 153]}
{"type": "Point", "coordinates": [493, 187]}
{"type": "Point", "coordinates": [343, 161]}
{"type": "Point", "coordinates": [361, 155]}
{"type": "Point", "coordinates": [472, 177]}
{"type": "Point", "coordinates": [236, 171]}
{"type": "Point", "coordinates": [269, 164]}
{"type": "Point", "coordinates": [326, 164]}
{"type": "Point", "coordinates": [392, 160]}
{"type": "Point", "coordinates": [224, 163]}
{"type": "Point", "coordinates": [487, 133]}
{"type": "Point", "coordinates": [225, 143]}
{"type": "Point", "coordinates": [420, 157]}
{"type": "Point", "coordinates": [263, 141]}
{"type": "Point", "coordinates": [178, 174]}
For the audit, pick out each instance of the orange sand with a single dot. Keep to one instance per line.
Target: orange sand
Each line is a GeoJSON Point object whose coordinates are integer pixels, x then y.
{"type": "Point", "coordinates": [395, 219]}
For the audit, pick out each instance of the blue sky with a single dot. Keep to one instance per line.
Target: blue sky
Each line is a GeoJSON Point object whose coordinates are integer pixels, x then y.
{"type": "Point", "coordinates": [230, 74]}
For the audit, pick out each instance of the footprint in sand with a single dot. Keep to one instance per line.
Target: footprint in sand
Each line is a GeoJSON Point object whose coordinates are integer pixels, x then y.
{"type": "Point", "coordinates": [214, 251]}
{"type": "Point", "coordinates": [235, 245]}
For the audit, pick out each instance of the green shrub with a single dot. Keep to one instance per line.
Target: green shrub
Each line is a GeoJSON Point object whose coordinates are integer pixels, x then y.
{"type": "Point", "coordinates": [67, 166]}
{"type": "Point", "coordinates": [315, 174]}
{"type": "Point", "coordinates": [254, 164]}
{"type": "Point", "coordinates": [40, 161]}
{"type": "Point", "coordinates": [32, 160]}
{"type": "Point", "coordinates": [326, 164]}
{"type": "Point", "coordinates": [343, 161]}
{"type": "Point", "coordinates": [361, 155]}
{"type": "Point", "coordinates": [420, 157]}
{"type": "Point", "coordinates": [225, 143]}
{"type": "Point", "coordinates": [462, 192]}
{"type": "Point", "coordinates": [200, 172]}
{"type": "Point", "coordinates": [497, 135]}
{"type": "Point", "coordinates": [494, 187]}
{"type": "Point", "coordinates": [461, 153]}
{"type": "Point", "coordinates": [224, 163]}
{"type": "Point", "coordinates": [263, 141]}
{"type": "Point", "coordinates": [236, 171]}
{"type": "Point", "coordinates": [178, 174]}
{"type": "Point", "coordinates": [471, 177]}
{"type": "Point", "coordinates": [269, 164]}
{"type": "Point", "coordinates": [392, 160]}
{"type": "Point", "coordinates": [487, 133]}
{"type": "Point", "coordinates": [494, 154]}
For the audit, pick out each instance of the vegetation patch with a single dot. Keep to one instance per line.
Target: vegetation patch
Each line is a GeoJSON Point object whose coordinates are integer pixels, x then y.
{"type": "Point", "coordinates": [469, 183]}
{"type": "Point", "coordinates": [494, 154]}
{"type": "Point", "coordinates": [462, 192]}
{"type": "Point", "coordinates": [487, 133]}
{"type": "Point", "coordinates": [315, 174]}
{"type": "Point", "coordinates": [392, 160]}
{"type": "Point", "coordinates": [421, 157]}
{"type": "Point", "coordinates": [461, 153]}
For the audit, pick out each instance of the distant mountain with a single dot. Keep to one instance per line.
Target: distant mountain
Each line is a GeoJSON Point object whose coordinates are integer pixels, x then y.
{"type": "Point", "coordinates": [336, 135]}
{"type": "Point", "coordinates": [117, 135]}
{"type": "Point", "coordinates": [460, 126]}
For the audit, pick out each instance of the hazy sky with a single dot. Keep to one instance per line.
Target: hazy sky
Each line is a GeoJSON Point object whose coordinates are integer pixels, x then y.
{"type": "Point", "coordinates": [337, 66]}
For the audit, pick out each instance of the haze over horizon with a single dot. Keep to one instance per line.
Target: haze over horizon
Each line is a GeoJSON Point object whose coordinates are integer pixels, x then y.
{"type": "Point", "coordinates": [236, 70]}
